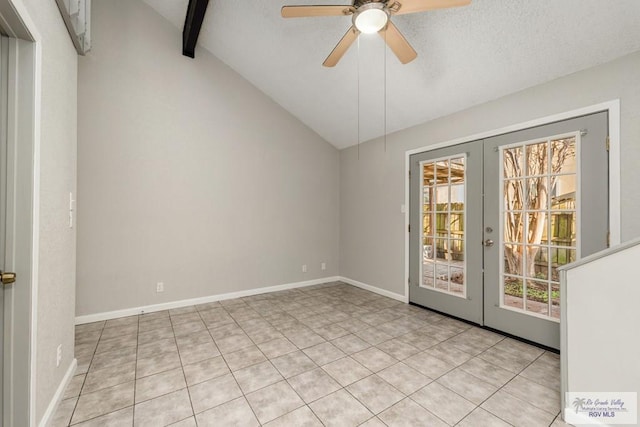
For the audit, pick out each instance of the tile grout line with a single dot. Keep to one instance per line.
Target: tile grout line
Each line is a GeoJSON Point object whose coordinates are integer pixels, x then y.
{"type": "Point", "coordinates": [99, 390]}
{"type": "Point", "coordinates": [86, 374]}
{"type": "Point", "coordinates": [445, 373]}
{"type": "Point", "coordinates": [244, 396]}
{"type": "Point", "coordinates": [498, 389]}
{"type": "Point", "coordinates": [491, 395]}
{"type": "Point", "coordinates": [286, 380]}
{"type": "Point", "coordinates": [186, 384]}
{"type": "Point", "coordinates": [343, 387]}
{"type": "Point", "coordinates": [135, 374]}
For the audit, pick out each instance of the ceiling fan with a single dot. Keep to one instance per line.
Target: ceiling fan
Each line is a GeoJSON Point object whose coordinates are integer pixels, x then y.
{"type": "Point", "coordinates": [372, 16]}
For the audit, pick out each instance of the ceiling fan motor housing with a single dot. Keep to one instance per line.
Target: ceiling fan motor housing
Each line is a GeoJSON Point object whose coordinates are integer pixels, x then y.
{"type": "Point", "coordinates": [370, 17]}
{"type": "Point", "coordinates": [358, 3]}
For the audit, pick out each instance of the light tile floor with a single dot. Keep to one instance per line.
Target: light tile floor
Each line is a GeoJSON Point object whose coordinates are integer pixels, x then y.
{"type": "Point", "coordinates": [331, 355]}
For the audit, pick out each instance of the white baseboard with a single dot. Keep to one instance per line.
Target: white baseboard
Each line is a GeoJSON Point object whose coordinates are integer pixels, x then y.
{"type": "Point", "coordinates": [374, 289]}
{"type": "Point", "coordinates": [89, 318]}
{"type": "Point", "coordinates": [59, 394]}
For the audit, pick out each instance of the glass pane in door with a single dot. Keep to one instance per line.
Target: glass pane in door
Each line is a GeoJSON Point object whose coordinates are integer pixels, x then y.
{"type": "Point", "coordinates": [539, 222]}
{"type": "Point", "coordinates": [443, 191]}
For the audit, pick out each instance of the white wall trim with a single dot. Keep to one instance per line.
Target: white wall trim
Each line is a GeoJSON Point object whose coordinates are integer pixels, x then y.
{"type": "Point", "coordinates": [59, 394]}
{"type": "Point", "coordinates": [612, 107]}
{"type": "Point", "coordinates": [36, 225]}
{"type": "Point", "coordinates": [375, 289]}
{"type": "Point", "coordinates": [615, 223]}
{"type": "Point", "coordinates": [97, 317]}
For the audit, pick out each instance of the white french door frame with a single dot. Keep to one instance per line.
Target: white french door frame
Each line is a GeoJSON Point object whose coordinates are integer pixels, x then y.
{"type": "Point", "coordinates": [24, 133]}
{"type": "Point", "coordinates": [611, 107]}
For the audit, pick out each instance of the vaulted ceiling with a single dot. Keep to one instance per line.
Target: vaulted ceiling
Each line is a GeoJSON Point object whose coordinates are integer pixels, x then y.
{"type": "Point", "coordinates": [466, 56]}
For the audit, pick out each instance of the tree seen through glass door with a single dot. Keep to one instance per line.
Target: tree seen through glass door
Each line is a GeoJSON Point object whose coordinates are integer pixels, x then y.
{"type": "Point", "coordinates": [539, 223]}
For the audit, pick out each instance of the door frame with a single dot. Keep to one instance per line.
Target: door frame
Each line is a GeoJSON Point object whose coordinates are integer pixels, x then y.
{"type": "Point", "coordinates": [24, 133]}
{"type": "Point", "coordinates": [611, 107]}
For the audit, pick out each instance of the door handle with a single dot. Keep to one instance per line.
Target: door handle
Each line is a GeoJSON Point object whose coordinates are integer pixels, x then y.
{"type": "Point", "coordinates": [488, 242]}
{"type": "Point", "coordinates": [7, 278]}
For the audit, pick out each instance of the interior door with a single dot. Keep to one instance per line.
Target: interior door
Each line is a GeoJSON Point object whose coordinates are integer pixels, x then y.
{"type": "Point", "coordinates": [446, 220]}
{"type": "Point", "coordinates": [16, 225]}
{"type": "Point", "coordinates": [493, 220]}
{"type": "Point", "coordinates": [546, 204]}
{"type": "Point", "coordinates": [3, 201]}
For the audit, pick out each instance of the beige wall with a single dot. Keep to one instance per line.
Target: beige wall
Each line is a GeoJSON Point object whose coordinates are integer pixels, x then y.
{"type": "Point", "coordinates": [372, 189]}
{"type": "Point", "coordinates": [56, 263]}
{"type": "Point", "coordinates": [188, 175]}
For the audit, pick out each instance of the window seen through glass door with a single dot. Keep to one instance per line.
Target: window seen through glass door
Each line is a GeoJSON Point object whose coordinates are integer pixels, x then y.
{"type": "Point", "coordinates": [539, 222]}
{"type": "Point", "coordinates": [443, 225]}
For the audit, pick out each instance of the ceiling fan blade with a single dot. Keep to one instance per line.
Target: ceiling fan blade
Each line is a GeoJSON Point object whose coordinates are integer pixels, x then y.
{"type": "Point", "coordinates": [401, 7]}
{"type": "Point", "coordinates": [305, 11]}
{"type": "Point", "coordinates": [343, 45]}
{"type": "Point", "coordinates": [398, 44]}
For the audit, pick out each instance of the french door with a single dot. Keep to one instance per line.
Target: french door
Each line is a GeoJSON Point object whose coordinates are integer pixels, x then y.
{"type": "Point", "coordinates": [493, 220]}
{"type": "Point", "coordinates": [445, 220]}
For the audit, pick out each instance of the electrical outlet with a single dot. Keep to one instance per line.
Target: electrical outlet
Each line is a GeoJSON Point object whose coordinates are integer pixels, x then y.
{"type": "Point", "coordinates": [304, 268]}
{"type": "Point", "coordinates": [160, 287]}
{"type": "Point", "coordinates": [58, 355]}
{"type": "Point", "coordinates": [323, 266]}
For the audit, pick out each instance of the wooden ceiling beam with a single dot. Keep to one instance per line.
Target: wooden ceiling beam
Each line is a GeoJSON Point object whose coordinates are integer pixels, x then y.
{"type": "Point", "coordinates": [192, 25]}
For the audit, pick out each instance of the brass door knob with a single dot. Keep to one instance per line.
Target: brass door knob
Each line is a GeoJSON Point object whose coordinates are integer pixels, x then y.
{"type": "Point", "coordinates": [7, 278]}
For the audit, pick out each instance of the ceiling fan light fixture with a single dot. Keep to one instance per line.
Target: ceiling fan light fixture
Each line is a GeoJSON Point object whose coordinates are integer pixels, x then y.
{"type": "Point", "coordinates": [370, 18]}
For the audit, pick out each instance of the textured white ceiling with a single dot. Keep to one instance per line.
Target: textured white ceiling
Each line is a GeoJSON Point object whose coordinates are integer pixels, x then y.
{"type": "Point", "coordinates": [466, 56]}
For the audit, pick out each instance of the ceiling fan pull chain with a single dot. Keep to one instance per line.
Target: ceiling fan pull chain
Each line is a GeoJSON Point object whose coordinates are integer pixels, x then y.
{"type": "Point", "coordinates": [385, 91]}
{"type": "Point", "coordinates": [358, 106]}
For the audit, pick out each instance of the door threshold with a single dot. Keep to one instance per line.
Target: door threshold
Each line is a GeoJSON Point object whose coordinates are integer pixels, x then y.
{"type": "Point", "coordinates": [486, 328]}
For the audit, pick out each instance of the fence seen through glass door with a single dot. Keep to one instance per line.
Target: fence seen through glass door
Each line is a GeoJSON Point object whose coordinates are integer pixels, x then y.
{"type": "Point", "coordinates": [443, 225]}
{"type": "Point", "coordinates": [539, 222]}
